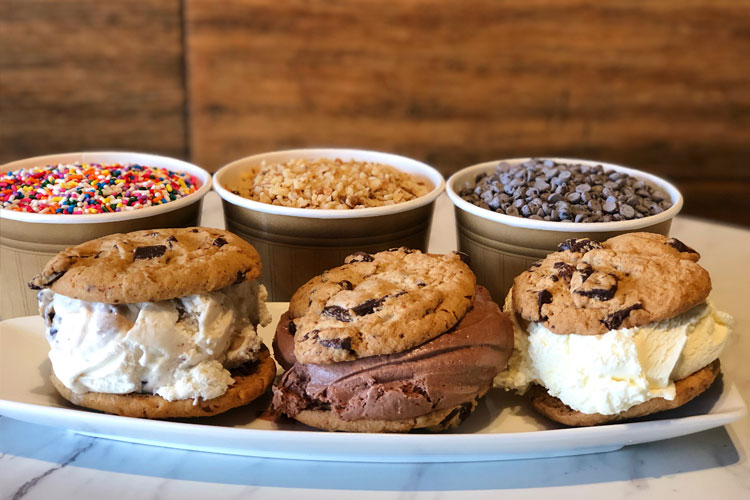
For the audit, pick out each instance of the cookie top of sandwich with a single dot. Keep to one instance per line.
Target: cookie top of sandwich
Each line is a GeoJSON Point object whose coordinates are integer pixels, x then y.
{"type": "Point", "coordinates": [150, 265]}
{"type": "Point", "coordinates": [376, 304]}
{"type": "Point", "coordinates": [589, 288]}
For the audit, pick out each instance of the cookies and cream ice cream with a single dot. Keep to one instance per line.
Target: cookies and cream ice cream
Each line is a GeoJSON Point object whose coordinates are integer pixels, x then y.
{"type": "Point", "coordinates": [611, 372]}
{"type": "Point", "coordinates": [159, 323]}
{"type": "Point", "coordinates": [181, 348]}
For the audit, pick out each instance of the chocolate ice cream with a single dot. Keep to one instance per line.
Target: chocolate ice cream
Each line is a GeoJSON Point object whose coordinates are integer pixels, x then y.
{"type": "Point", "coordinates": [442, 373]}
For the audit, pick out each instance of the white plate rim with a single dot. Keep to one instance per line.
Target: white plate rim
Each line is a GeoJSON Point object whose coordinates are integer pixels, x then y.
{"type": "Point", "coordinates": [368, 447]}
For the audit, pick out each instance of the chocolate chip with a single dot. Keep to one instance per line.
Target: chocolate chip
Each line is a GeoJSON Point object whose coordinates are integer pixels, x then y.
{"type": "Point", "coordinates": [51, 316]}
{"type": "Point", "coordinates": [312, 334]}
{"type": "Point", "coordinates": [337, 313]}
{"type": "Point", "coordinates": [368, 306]}
{"type": "Point", "coordinates": [346, 285]}
{"type": "Point", "coordinates": [573, 197]}
{"type": "Point", "coordinates": [543, 297]}
{"type": "Point", "coordinates": [193, 230]}
{"type": "Point", "coordinates": [614, 320]}
{"type": "Point", "coordinates": [627, 211]}
{"type": "Point", "coordinates": [585, 271]}
{"type": "Point", "coordinates": [181, 313]}
{"type": "Point", "coordinates": [172, 239]}
{"type": "Point", "coordinates": [599, 286]}
{"type": "Point", "coordinates": [464, 257]}
{"type": "Point", "coordinates": [345, 343]}
{"type": "Point", "coordinates": [149, 252]}
{"type": "Point", "coordinates": [219, 242]}
{"type": "Point", "coordinates": [49, 281]}
{"type": "Point", "coordinates": [292, 327]}
{"type": "Point", "coordinates": [421, 284]}
{"type": "Point", "coordinates": [564, 271]}
{"type": "Point", "coordinates": [599, 293]}
{"type": "Point", "coordinates": [582, 245]}
{"type": "Point", "coordinates": [240, 276]}
{"type": "Point", "coordinates": [359, 257]}
{"type": "Point", "coordinates": [680, 246]}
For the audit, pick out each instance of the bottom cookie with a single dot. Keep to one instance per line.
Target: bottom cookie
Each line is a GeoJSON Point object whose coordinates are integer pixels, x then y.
{"type": "Point", "coordinates": [436, 421]}
{"type": "Point", "coordinates": [250, 381]}
{"type": "Point", "coordinates": [685, 390]}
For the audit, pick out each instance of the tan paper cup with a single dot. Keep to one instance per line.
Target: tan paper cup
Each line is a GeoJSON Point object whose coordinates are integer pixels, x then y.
{"type": "Point", "coordinates": [28, 240]}
{"type": "Point", "coordinates": [296, 244]}
{"type": "Point", "coordinates": [502, 246]}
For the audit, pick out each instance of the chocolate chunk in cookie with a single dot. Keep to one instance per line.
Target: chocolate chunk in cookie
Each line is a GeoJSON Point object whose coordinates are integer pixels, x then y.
{"type": "Point", "coordinates": [149, 252]}
{"type": "Point", "coordinates": [582, 245]}
{"type": "Point", "coordinates": [680, 246]}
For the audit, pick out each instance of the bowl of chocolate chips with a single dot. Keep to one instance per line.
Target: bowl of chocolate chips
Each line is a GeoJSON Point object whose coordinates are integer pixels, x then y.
{"type": "Point", "coordinates": [511, 213]}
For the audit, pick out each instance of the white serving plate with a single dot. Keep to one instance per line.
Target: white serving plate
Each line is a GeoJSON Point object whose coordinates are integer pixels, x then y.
{"type": "Point", "coordinates": [503, 427]}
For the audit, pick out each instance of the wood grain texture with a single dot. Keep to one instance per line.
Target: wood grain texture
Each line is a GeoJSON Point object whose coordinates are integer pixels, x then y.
{"type": "Point", "coordinates": [663, 86]}
{"type": "Point", "coordinates": [88, 75]}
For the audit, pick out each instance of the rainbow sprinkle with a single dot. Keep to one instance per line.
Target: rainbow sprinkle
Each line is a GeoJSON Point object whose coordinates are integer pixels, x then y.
{"type": "Point", "coordinates": [92, 188]}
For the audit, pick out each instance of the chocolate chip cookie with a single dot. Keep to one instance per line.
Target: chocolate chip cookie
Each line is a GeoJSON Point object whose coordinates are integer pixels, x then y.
{"type": "Point", "coordinates": [589, 288]}
{"type": "Point", "coordinates": [379, 304]}
{"type": "Point", "coordinates": [150, 265]}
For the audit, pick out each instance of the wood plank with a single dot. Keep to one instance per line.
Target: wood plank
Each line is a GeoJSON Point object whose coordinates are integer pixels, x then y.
{"type": "Point", "coordinates": [716, 199]}
{"type": "Point", "coordinates": [89, 75]}
{"type": "Point", "coordinates": [658, 85]}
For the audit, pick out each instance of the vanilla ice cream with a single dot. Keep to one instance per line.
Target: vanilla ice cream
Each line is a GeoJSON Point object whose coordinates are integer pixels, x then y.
{"type": "Point", "coordinates": [611, 372]}
{"type": "Point", "coordinates": [178, 349]}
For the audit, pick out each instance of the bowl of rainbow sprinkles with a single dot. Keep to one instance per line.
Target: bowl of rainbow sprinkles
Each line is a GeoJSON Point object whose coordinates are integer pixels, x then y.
{"type": "Point", "coordinates": [49, 203]}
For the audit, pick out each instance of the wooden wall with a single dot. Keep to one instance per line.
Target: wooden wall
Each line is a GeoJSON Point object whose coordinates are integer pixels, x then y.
{"type": "Point", "coordinates": [659, 85]}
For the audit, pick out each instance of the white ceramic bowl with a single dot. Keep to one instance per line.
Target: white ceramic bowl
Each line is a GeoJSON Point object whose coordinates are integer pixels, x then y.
{"type": "Point", "coordinates": [502, 246]}
{"type": "Point", "coordinates": [29, 240]}
{"type": "Point", "coordinates": [296, 244]}
{"type": "Point", "coordinates": [109, 157]}
{"type": "Point", "coordinates": [232, 173]}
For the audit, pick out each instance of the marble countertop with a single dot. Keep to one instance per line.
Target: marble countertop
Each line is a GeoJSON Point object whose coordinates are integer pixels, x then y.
{"type": "Point", "coordinates": [38, 462]}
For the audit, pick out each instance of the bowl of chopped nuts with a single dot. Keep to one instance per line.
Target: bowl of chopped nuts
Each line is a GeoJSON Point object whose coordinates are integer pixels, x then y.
{"type": "Point", "coordinates": [49, 203]}
{"type": "Point", "coordinates": [510, 213]}
{"type": "Point", "coordinates": [305, 210]}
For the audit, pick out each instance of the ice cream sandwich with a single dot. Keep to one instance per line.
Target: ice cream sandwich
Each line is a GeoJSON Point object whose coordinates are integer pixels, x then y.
{"type": "Point", "coordinates": [157, 323]}
{"type": "Point", "coordinates": [389, 342]}
{"type": "Point", "coordinates": [614, 330]}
